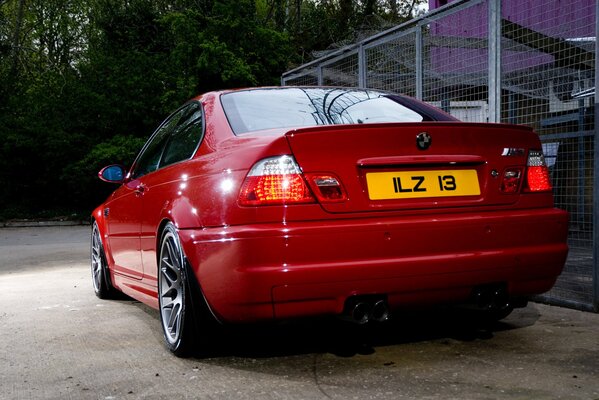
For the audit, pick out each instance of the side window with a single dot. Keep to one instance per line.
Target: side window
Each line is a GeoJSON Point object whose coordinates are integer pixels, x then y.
{"type": "Point", "coordinates": [185, 137]}
{"type": "Point", "coordinates": [151, 154]}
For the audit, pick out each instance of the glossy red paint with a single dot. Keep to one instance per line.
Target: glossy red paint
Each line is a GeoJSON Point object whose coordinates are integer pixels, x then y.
{"type": "Point", "coordinates": [293, 260]}
{"type": "Point", "coordinates": [303, 268]}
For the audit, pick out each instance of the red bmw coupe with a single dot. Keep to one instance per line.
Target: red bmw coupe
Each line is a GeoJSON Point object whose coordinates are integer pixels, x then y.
{"type": "Point", "coordinates": [275, 203]}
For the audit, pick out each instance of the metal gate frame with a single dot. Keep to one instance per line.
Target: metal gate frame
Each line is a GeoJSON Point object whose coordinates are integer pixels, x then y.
{"type": "Point", "coordinates": [317, 73]}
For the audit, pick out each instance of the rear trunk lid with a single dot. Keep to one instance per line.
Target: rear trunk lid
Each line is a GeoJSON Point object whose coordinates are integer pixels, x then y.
{"type": "Point", "coordinates": [381, 166]}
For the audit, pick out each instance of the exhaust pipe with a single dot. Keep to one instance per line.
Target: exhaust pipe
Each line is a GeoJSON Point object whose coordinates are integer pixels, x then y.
{"type": "Point", "coordinates": [380, 311]}
{"type": "Point", "coordinates": [360, 313]}
{"type": "Point", "coordinates": [365, 308]}
{"type": "Point", "coordinates": [491, 297]}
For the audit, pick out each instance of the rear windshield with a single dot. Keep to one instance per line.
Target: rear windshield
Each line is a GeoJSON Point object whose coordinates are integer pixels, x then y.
{"type": "Point", "coordinates": [261, 109]}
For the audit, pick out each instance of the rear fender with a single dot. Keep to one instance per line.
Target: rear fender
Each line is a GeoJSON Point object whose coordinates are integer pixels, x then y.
{"type": "Point", "coordinates": [181, 212]}
{"type": "Point", "coordinates": [202, 312]}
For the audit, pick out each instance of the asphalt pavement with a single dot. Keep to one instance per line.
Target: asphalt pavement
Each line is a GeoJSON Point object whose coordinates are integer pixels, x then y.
{"type": "Point", "coordinates": [58, 341]}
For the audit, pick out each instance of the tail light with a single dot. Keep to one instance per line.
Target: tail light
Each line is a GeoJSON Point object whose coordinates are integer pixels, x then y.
{"type": "Point", "coordinates": [537, 173]}
{"type": "Point", "coordinates": [327, 188]}
{"type": "Point", "coordinates": [275, 180]}
{"type": "Point", "coordinates": [510, 183]}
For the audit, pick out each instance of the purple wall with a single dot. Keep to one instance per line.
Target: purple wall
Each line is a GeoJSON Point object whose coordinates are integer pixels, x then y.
{"type": "Point", "coordinates": [563, 19]}
{"type": "Point", "coordinates": [546, 16]}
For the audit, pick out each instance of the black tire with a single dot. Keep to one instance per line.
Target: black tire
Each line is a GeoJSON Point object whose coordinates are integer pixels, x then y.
{"type": "Point", "coordinates": [99, 267]}
{"type": "Point", "coordinates": [497, 315]}
{"type": "Point", "coordinates": [488, 316]}
{"type": "Point", "coordinates": [175, 299]}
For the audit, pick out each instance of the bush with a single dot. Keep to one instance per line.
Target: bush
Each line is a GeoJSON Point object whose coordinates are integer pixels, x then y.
{"type": "Point", "coordinates": [82, 179]}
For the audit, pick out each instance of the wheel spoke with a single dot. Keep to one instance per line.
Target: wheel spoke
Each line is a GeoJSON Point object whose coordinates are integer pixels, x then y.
{"type": "Point", "coordinates": [97, 272]}
{"type": "Point", "coordinates": [169, 251]}
{"type": "Point", "coordinates": [174, 319]}
{"type": "Point", "coordinates": [173, 256]}
{"type": "Point", "coordinates": [167, 301]}
{"type": "Point", "coordinates": [171, 292]}
{"type": "Point", "coordinates": [169, 270]}
{"type": "Point", "coordinates": [96, 255]}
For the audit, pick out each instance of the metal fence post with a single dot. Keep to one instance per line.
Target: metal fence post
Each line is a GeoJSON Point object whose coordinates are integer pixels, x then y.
{"type": "Point", "coordinates": [596, 176]}
{"type": "Point", "coordinates": [362, 67]}
{"type": "Point", "coordinates": [494, 60]}
{"type": "Point", "coordinates": [319, 75]}
{"type": "Point", "coordinates": [419, 63]}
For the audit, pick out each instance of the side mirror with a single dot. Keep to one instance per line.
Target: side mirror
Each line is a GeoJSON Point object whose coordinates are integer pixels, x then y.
{"type": "Point", "coordinates": [113, 174]}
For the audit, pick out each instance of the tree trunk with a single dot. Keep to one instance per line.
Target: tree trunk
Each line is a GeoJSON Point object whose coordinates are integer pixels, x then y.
{"type": "Point", "coordinates": [17, 36]}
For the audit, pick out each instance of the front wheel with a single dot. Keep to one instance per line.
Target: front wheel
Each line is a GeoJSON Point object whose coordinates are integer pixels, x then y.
{"type": "Point", "coordinates": [100, 274]}
{"type": "Point", "coordinates": [174, 296]}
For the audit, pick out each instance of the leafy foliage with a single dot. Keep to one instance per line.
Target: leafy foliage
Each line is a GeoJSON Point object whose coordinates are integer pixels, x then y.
{"type": "Point", "coordinates": [84, 82]}
{"type": "Point", "coordinates": [81, 176]}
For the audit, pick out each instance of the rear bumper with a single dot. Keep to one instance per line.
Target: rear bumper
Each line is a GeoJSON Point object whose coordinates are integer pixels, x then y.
{"type": "Point", "coordinates": [266, 271]}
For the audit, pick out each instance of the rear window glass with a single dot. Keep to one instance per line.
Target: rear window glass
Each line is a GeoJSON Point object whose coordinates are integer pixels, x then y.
{"type": "Point", "coordinates": [261, 109]}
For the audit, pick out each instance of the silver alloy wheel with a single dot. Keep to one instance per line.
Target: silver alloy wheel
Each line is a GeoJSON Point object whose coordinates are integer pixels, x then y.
{"type": "Point", "coordinates": [172, 287]}
{"type": "Point", "coordinates": [97, 260]}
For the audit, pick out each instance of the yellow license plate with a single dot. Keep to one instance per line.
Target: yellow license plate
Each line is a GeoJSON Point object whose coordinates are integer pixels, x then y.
{"type": "Point", "coordinates": [417, 184]}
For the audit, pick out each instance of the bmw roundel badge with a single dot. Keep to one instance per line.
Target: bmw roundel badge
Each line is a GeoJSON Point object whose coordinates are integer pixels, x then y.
{"type": "Point", "coordinates": [423, 141]}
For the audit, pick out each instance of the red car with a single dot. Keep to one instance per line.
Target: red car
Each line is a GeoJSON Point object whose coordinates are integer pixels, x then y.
{"type": "Point", "coordinates": [275, 203]}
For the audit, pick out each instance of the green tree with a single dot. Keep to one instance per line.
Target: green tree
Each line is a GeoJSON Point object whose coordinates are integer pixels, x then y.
{"type": "Point", "coordinates": [81, 79]}
{"type": "Point", "coordinates": [82, 176]}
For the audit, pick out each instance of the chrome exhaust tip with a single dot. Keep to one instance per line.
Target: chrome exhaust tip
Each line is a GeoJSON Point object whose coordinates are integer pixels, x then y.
{"type": "Point", "coordinates": [491, 297]}
{"type": "Point", "coordinates": [361, 312]}
{"type": "Point", "coordinates": [361, 309]}
{"type": "Point", "coordinates": [380, 311]}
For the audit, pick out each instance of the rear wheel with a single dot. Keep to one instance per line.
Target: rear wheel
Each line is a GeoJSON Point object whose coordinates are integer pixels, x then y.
{"type": "Point", "coordinates": [100, 274]}
{"type": "Point", "coordinates": [174, 296]}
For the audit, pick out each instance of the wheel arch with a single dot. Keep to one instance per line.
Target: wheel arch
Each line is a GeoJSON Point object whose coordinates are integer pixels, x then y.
{"type": "Point", "coordinates": [181, 214]}
{"type": "Point", "coordinates": [107, 290]}
{"type": "Point", "coordinates": [98, 218]}
{"type": "Point", "coordinates": [159, 231]}
{"type": "Point", "coordinates": [199, 303]}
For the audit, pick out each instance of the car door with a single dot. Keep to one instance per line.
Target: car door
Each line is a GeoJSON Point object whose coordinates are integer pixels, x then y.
{"type": "Point", "coordinates": [125, 209]}
{"type": "Point", "coordinates": [168, 185]}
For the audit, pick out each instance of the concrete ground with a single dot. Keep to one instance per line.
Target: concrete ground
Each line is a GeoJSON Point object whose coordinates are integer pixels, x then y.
{"type": "Point", "coordinates": [58, 341]}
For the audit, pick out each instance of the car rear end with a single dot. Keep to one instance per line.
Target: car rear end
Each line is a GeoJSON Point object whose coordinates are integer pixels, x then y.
{"type": "Point", "coordinates": [395, 214]}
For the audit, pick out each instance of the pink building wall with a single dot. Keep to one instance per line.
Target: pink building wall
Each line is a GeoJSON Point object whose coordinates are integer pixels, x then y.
{"type": "Point", "coordinates": [561, 19]}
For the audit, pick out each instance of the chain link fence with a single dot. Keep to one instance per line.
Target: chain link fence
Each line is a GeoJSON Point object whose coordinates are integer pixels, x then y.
{"type": "Point", "coordinates": [522, 62]}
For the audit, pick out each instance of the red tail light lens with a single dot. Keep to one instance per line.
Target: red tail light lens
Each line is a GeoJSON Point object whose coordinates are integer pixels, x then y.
{"type": "Point", "coordinates": [510, 183]}
{"type": "Point", "coordinates": [537, 173]}
{"type": "Point", "coordinates": [328, 188]}
{"type": "Point", "coordinates": [276, 180]}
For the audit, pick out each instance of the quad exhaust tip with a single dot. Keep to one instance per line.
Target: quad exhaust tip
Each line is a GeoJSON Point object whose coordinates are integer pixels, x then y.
{"type": "Point", "coordinates": [491, 297]}
{"type": "Point", "coordinates": [362, 310]}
